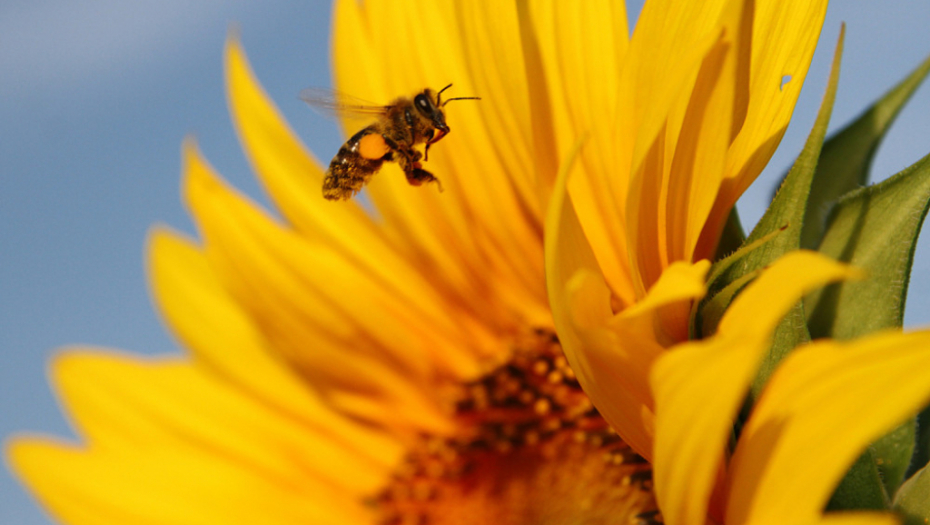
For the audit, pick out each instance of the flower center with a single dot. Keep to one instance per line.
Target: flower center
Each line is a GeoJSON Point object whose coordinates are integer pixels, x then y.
{"type": "Point", "coordinates": [530, 450]}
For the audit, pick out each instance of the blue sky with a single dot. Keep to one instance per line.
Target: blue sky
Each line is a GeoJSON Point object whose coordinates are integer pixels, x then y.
{"type": "Point", "coordinates": [96, 96]}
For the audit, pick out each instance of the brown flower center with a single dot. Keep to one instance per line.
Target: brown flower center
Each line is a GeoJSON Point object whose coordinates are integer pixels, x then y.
{"type": "Point", "coordinates": [531, 450]}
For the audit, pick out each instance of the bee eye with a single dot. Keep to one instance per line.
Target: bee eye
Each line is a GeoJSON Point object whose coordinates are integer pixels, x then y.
{"type": "Point", "coordinates": [422, 102]}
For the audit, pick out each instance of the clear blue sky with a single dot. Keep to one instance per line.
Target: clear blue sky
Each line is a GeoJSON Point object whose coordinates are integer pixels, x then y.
{"type": "Point", "coordinates": [96, 96]}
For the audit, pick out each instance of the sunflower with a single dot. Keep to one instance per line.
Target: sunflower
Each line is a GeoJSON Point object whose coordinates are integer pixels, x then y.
{"type": "Point", "coordinates": [402, 365]}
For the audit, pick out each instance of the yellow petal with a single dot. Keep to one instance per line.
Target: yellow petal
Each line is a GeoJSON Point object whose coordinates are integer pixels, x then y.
{"type": "Point", "coordinates": [651, 81]}
{"type": "Point", "coordinates": [581, 47]}
{"type": "Point", "coordinates": [495, 220]}
{"type": "Point", "coordinates": [790, 277]}
{"type": "Point", "coordinates": [610, 356]}
{"type": "Point", "coordinates": [667, 304]}
{"type": "Point", "coordinates": [220, 334]}
{"type": "Point", "coordinates": [698, 386]}
{"type": "Point", "coordinates": [616, 354]}
{"type": "Point", "coordinates": [312, 304]}
{"type": "Point", "coordinates": [818, 412]}
{"type": "Point", "coordinates": [122, 404]}
{"type": "Point", "coordinates": [295, 181]}
{"type": "Point", "coordinates": [709, 123]}
{"type": "Point", "coordinates": [577, 291]}
{"type": "Point", "coordinates": [668, 45]}
{"type": "Point", "coordinates": [784, 36]}
{"type": "Point", "coordinates": [154, 486]}
{"type": "Point", "coordinates": [675, 186]}
{"type": "Point", "coordinates": [293, 178]}
{"type": "Point", "coordinates": [608, 367]}
{"type": "Point", "coordinates": [214, 328]}
{"type": "Point", "coordinates": [487, 207]}
{"type": "Point", "coordinates": [490, 49]}
{"type": "Point", "coordinates": [315, 280]}
{"type": "Point", "coordinates": [568, 254]}
{"type": "Point", "coordinates": [365, 68]}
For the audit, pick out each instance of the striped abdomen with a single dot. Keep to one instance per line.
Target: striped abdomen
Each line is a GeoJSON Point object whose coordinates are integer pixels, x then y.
{"type": "Point", "coordinates": [357, 160]}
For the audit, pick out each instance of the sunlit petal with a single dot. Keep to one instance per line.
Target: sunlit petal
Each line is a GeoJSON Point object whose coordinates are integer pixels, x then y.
{"type": "Point", "coordinates": [698, 386]}
{"type": "Point", "coordinates": [169, 485]}
{"type": "Point", "coordinates": [852, 392]}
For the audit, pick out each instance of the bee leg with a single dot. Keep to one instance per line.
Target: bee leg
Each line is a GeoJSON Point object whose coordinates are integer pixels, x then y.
{"type": "Point", "coordinates": [409, 161]}
{"type": "Point", "coordinates": [419, 175]}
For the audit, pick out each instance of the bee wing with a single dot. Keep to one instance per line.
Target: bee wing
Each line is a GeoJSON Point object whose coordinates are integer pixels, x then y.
{"type": "Point", "coordinates": [338, 105]}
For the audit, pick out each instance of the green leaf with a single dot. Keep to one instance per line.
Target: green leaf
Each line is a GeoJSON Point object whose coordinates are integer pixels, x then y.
{"type": "Point", "coordinates": [913, 499]}
{"type": "Point", "coordinates": [846, 156]}
{"type": "Point", "coordinates": [874, 228]}
{"type": "Point", "coordinates": [782, 221]}
{"type": "Point", "coordinates": [861, 488]}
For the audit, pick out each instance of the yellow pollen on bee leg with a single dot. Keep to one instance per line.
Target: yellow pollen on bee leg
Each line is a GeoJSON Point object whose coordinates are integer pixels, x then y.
{"type": "Point", "coordinates": [372, 146]}
{"type": "Point", "coordinates": [530, 450]}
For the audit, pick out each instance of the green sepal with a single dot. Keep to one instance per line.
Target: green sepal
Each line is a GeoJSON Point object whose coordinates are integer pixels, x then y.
{"type": "Point", "coordinates": [922, 444]}
{"type": "Point", "coordinates": [893, 453]}
{"type": "Point", "coordinates": [782, 221]}
{"type": "Point", "coordinates": [704, 320]}
{"type": "Point", "coordinates": [913, 499]}
{"type": "Point", "coordinates": [846, 156]}
{"type": "Point", "coordinates": [714, 309]}
{"type": "Point", "coordinates": [861, 488]}
{"type": "Point", "coordinates": [873, 228]}
{"type": "Point", "coordinates": [889, 456]}
{"type": "Point", "coordinates": [732, 236]}
{"type": "Point", "coordinates": [790, 333]}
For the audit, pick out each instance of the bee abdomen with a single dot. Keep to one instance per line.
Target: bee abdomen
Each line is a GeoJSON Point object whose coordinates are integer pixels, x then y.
{"type": "Point", "coordinates": [350, 169]}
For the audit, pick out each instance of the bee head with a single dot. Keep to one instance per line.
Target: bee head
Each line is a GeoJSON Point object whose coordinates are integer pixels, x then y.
{"type": "Point", "coordinates": [427, 104]}
{"type": "Point", "coordinates": [430, 104]}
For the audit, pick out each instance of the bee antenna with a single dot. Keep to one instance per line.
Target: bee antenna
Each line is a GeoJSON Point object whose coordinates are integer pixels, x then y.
{"type": "Point", "coordinates": [459, 98]}
{"type": "Point", "coordinates": [439, 95]}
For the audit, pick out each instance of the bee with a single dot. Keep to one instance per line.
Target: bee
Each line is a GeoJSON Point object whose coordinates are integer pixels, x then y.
{"type": "Point", "coordinates": [400, 126]}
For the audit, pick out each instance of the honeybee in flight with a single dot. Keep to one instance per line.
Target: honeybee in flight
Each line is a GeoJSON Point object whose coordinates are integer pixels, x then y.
{"type": "Point", "coordinates": [401, 125]}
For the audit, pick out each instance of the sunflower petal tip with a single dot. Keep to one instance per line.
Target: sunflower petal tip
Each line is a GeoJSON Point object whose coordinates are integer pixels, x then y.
{"type": "Point", "coordinates": [195, 170]}
{"type": "Point", "coordinates": [68, 362]}
{"type": "Point", "coordinates": [161, 234]}
{"type": "Point", "coordinates": [157, 235]}
{"type": "Point", "coordinates": [855, 273]}
{"type": "Point", "coordinates": [697, 270]}
{"type": "Point", "coordinates": [15, 450]}
{"type": "Point", "coordinates": [189, 146]}
{"type": "Point", "coordinates": [233, 35]}
{"type": "Point", "coordinates": [233, 52]}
